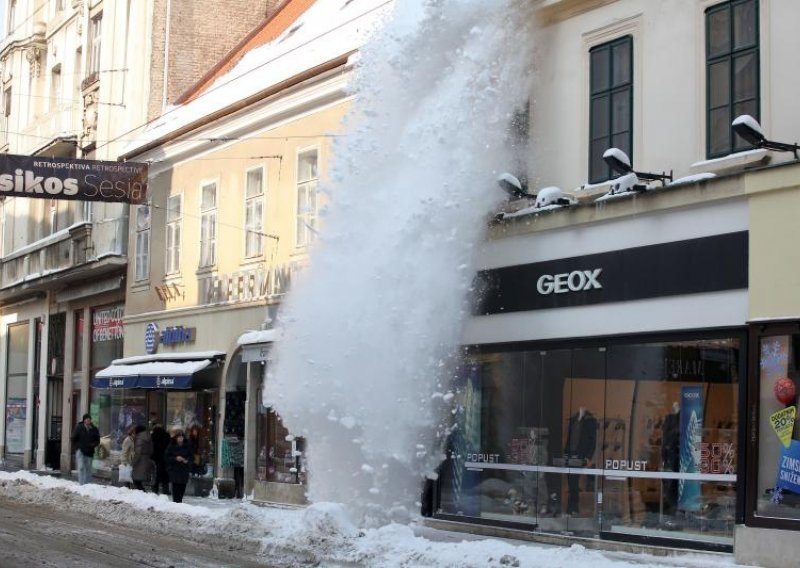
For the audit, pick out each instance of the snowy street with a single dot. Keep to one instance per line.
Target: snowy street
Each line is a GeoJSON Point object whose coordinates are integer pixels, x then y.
{"type": "Point", "coordinates": [46, 521]}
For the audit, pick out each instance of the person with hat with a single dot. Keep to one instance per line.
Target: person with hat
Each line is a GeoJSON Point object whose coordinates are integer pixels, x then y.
{"type": "Point", "coordinates": [178, 457]}
{"type": "Point", "coordinates": [85, 437]}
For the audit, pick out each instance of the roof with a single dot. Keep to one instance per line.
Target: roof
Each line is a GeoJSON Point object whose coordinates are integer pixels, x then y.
{"type": "Point", "coordinates": [326, 31]}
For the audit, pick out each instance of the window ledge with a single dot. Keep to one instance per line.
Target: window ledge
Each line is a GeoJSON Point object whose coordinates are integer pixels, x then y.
{"type": "Point", "coordinates": [731, 162]}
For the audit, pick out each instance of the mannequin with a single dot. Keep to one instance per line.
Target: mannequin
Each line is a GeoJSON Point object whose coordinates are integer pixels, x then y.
{"type": "Point", "coordinates": [670, 455]}
{"type": "Point", "coordinates": [581, 443]}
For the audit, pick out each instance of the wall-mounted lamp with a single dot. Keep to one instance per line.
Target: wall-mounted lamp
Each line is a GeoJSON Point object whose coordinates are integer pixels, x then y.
{"type": "Point", "coordinates": [750, 130]}
{"type": "Point", "coordinates": [513, 186]}
{"type": "Point", "coordinates": [621, 163]}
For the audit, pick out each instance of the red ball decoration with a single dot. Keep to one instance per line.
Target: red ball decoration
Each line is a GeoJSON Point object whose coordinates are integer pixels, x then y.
{"type": "Point", "coordinates": [785, 390]}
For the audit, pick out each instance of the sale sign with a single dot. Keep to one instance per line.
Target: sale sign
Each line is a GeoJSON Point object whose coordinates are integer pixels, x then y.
{"type": "Point", "coordinates": [783, 424]}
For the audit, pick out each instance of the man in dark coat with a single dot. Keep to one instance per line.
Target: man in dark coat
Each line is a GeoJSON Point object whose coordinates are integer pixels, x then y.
{"type": "Point", "coordinates": [160, 440]}
{"type": "Point", "coordinates": [178, 457]}
{"type": "Point", "coordinates": [85, 438]}
{"type": "Point", "coordinates": [580, 447]}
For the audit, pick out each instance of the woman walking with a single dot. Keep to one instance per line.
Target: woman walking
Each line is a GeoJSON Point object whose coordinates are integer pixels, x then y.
{"type": "Point", "coordinates": [178, 458]}
{"type": "Point", "coordinates": [142, 458]}
{"type": "Point", "coordinates": [128, 448]}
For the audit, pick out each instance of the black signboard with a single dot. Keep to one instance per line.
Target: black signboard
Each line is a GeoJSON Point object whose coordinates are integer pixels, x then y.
{"type": "Point", "coordinates": [73, 179]}
{"type": "Point", "coordinates": [708, 264]}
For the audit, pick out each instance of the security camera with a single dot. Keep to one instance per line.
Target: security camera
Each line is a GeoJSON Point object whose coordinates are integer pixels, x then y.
{"type": "Point", "coordinates": [626, 183]}
{"type": "Point", "coordinates": [549, 196]}
{"type": "Point", "coordinates": [513, 186]}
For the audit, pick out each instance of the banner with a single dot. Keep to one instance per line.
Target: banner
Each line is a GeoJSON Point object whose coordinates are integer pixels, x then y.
{"type": "Point", "coordinates": [789, 468]}
{"type": "Point", "coordinates": [783, 424]}
{"type": "Point", "coordinates": [73, 179]}
{"type": "Point", "coordinates": [690, 443]}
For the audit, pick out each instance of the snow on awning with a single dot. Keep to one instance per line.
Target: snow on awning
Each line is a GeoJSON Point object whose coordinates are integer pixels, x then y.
{"type": "Point", "coordinates": [149, 375]}
{"type": "Point", "coordinates": [256, 345]}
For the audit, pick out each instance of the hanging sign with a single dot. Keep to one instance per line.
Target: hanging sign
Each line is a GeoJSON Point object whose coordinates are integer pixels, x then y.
{"type": "Point", "coordinates": [783, 424]}
{"type": "Point", "coordinates": [73, 179]}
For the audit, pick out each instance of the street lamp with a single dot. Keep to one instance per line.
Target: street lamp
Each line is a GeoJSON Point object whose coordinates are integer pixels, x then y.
{"type": "Point", "coordinates": [621, 163]}
{"type": "Point", "coordinates": [750, 130]}
{"type": "Point", "coordinates": [512, 185]}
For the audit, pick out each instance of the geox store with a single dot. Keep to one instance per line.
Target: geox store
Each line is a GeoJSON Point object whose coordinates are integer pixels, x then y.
{"type": "Point", "coordinates": [603, 386]}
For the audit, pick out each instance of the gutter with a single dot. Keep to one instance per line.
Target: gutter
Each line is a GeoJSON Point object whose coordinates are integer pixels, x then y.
{"type": "Point", "coordinates": [330, 65]}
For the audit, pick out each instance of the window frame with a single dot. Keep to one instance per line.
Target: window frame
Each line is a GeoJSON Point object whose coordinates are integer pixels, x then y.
{"type": "Point", "coordinates": [142, 254]}
{"type": "Point", "coordinates": [248, 200]}
{"type": "Point", "coordinates": [172, 255]}
{"type": "Point", "coordinates": [735, 143]}
{"type": "Point", "coordinates": [95, 43]}
{"type": "Point", "coordinates": [310, 219]}
{"type": "Point", "coordinates": [609, 92]}
{"type": "Point", "coordinates": [208, 212]}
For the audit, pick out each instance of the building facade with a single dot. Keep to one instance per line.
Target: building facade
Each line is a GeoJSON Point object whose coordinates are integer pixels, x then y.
{"type": "Point", "coordinates": [632, 361]}
{"type": "Point", "coordinates": [234, 210]}
{"type": "Point", "coordinates": [77, 77]}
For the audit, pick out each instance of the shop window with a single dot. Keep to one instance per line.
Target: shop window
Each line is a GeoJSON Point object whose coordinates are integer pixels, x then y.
{"type": "Point", "coordinates": [307, 179]}
{"type": "Point", "coordinates": [778, 461]}
{"type": "Point", "coordinates": [624, 440]}
{"type": "Point", "coordinates": [16, 387]}
{"type": "Point", "coordinates": [732, 73]}
{"type": "Point", "coordinates": [611, 104]}
{"type": "Point", "coordinates": [281, 456]}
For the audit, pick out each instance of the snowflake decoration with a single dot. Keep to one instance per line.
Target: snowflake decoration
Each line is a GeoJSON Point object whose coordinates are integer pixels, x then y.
{"type": "Point", "coordinates": [773, 358]}
{"type": "Point", "coordinates": [777, 496]}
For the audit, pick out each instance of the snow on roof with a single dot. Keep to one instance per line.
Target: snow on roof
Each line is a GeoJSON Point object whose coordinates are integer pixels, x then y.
{"type": "Point", "coordinates": [261, 336]}
{"type": "Point", "coordinates": [694, 178]}
{"type": "Point", "coordinates": [154, 368]}
{"type": "Point", "coordinates": [327, 30]}
{"type": "Point", "coordinates": [188, 356]}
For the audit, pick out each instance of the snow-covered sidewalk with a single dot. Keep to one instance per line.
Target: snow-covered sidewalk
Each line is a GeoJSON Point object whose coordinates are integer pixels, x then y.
{"type": "Point", "coordinates": [321, 534]}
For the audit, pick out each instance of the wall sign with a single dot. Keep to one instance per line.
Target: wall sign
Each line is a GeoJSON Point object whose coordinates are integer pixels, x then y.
{"type": "Point", "coordinates": [246, 285]}
{"type": "Point", "coordinates": [73, 179]}
{"type": "Point", "coordinates": [174, 335]}
{"type": "Point", "coordinates": [708, 264]}
{"type": "Point", "coordinates": [107, 324]}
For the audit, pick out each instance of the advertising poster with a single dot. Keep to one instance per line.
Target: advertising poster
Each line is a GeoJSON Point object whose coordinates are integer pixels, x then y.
{"type": "Point", "coordinates": [16, 412]}
{"type": "Point", "coordinates": [691, 437]}
{"type": "Point", "coordinates": [789, 468]}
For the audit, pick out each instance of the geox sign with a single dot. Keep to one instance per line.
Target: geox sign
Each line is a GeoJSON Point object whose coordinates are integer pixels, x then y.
{"type": "Point", "coordinates": [67, 178]}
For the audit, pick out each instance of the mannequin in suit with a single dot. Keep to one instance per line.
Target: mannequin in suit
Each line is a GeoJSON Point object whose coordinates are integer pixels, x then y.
{"type": "Point", "coordinates": [581, 444]}
{"type": "Point", "coordinates": [670, 455]}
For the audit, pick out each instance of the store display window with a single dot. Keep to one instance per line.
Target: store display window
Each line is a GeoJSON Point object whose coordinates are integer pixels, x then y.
{"type": "Point", "coordinates": [622, 440]}
{"type": "Point", "coordinates": [17, 387]}
{"type": "Point", "coordinates": [281, 456]}
{"type": "Point", "coordinates": [777, 492]}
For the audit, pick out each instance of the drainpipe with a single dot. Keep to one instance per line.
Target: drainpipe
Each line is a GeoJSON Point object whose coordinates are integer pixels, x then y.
{"type": "Point", "coordinates": [44, 403]}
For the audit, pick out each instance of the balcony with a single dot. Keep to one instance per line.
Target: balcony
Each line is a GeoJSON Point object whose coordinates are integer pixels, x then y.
{"type": "Point", "coordinates": [60, 125]}
{"type": "Point", "coordinates": [71, 254]}
{"type": "Point", "coordinates": [93, 78]}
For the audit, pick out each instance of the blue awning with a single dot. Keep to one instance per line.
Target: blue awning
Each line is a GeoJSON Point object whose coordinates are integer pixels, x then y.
{"type": "Point", "coordinates": [149, 375]}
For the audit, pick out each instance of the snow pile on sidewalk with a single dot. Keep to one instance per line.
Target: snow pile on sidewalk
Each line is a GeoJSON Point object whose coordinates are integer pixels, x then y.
{"type": "Point", "coordinates": [319, 535]}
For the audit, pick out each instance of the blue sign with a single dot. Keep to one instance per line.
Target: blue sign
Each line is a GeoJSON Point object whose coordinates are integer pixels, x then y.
{"type": "Point", "coordinates": [691, 436]}
{"type": "Point", "coordinates": [144, 382]}
{"type": "Point", "coordinates": [789, 468]}
{"type": "Point", "coordinates": [151, 338]}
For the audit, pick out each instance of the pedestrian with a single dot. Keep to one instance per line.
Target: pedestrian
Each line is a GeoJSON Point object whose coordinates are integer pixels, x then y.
{"type": "Point", "coordinates": [178, 457]}
{"type": "Point", "coordinates": [86, 437]}
{"type": "Point", "coordinates": [128, 451]}
{"type": "Point", "coordinates": [195, 442]}
{"type": "Point", "coordinates": [161, 440]}
{"type": "Point", "coordinates": [142, 458]}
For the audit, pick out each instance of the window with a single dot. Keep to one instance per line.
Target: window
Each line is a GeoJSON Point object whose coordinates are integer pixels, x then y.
{"type": "Point", "coordinates": [732, 72]}
{"type": "Point", "coordinates": [16, 387]}
{"type": "Point", "coordinates": [307, 178]}
{"type": "Point", "coordinates": [174, 212]}
{"type": "Point", "coordinates": [142, 268]}
{"type": "Point", "coordinates": [611, 104]}
{"type": "Point", "coordinates": [208, 224]}
{"type": "Point", "coordinates": [12, 15]}
{"type": "Point", "coordinates": [95, 27]}
{"type": "Point", "coordinates": [777, 495]}
{"type": "Point", "coordinates": [55, 88]}
{"type": "Point", "coordinates": [254, 213]}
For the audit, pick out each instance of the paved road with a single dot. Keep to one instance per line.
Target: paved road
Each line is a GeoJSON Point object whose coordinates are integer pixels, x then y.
{"type": "Point", "coordinates": [44, 537]}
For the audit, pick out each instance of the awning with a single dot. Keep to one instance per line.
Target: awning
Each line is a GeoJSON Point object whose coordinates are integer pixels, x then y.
{"type": "Point", "coordinates": [256, 345]}
{"type": "Point", "coordinates": [149, 375]}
